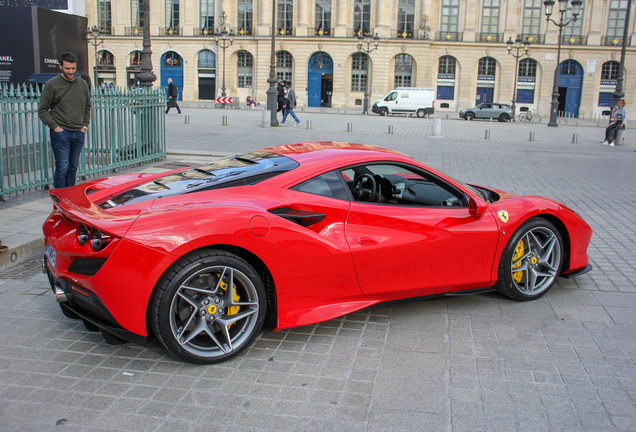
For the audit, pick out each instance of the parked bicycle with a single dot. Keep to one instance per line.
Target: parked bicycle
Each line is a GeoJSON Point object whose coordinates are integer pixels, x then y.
{"type": "Point", "coordinates": [529, 116]}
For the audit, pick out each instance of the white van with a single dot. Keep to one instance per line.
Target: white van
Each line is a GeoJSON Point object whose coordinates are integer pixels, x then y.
{"type": "Point", "coordinates": [407, 100]}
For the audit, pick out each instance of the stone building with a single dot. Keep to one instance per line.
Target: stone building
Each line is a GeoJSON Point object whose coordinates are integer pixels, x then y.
{"type": "Point", "coordinates": [457, 47]}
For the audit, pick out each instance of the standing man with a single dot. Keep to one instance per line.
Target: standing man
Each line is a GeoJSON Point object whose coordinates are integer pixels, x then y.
{"type": "Point", "coordinates": [172, 97]}
{"type": "Point", "coordinates": [291, 104]}
{"type": "Point", "coordinates": [65, 107]}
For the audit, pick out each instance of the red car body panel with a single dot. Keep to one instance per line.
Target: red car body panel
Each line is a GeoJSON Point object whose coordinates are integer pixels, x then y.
{"type": "Point", "coordinates": [359, 255]}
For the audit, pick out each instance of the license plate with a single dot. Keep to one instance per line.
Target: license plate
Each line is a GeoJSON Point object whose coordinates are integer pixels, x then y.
{"type": "Point", "coordinates": [51, 255]}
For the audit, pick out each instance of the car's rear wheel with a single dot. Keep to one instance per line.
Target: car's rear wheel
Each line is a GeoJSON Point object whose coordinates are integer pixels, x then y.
{"type": "Point", "coordinates": [504, 118]}
{"type": "Point", "coordinates": [470, 116]}
{"type": "Point", "coordinates": [421, 113]}
{"type": "Point", "coordinates": [383, 112]}
{"type": "Point", "coordinates": [209, 306]}
{"type": "Point", "coordinates": [531, 261]}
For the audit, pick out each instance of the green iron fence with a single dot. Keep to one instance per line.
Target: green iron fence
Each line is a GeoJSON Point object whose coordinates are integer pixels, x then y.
{"type": "Point", "coordinates": [127, 129]}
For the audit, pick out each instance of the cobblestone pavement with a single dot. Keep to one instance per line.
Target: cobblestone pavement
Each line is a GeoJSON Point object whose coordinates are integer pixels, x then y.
{"type": "Point", "coordinates": [564, 362]}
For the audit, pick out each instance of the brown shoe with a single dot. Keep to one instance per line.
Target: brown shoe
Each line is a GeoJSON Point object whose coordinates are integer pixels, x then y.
{"type": "Point", "coordinates": [3, 247]}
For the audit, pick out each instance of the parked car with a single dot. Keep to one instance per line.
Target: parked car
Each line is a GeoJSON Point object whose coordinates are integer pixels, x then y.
{"type": "Point", "coordinates": [407, 100]}
{"type": "Point", "coordinates": [201, 258]}
{"type": "Point", "coordinates": [501, 112]}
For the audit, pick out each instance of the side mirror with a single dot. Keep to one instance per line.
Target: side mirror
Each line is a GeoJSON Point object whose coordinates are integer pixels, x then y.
{"type": "Point", "coordinates": [476, 208]}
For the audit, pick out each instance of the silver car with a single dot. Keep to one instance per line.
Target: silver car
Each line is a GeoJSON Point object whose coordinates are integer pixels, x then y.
{"type": "Point", "coordinates": [501, 112]}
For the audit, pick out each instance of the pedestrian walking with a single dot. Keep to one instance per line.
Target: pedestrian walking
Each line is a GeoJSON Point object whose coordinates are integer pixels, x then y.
{"type": "Point", "coordinates": [618, 119]}
{"type": "Point", "coordinates": [280, 97]}
{"type": "Point", "coordinates": [172, 97]}
{"type": "Point", "coordinates": [65, 107]}
{"type": "Point", "coordinates": [290, 104]}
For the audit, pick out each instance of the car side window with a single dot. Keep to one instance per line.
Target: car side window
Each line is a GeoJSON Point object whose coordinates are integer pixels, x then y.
{"type": "Point", "coordinates": [391, 97]}
{"type": "Point", "coordinates": [400, 185]}
{"type": "Point", "coordinates": [327, 185]}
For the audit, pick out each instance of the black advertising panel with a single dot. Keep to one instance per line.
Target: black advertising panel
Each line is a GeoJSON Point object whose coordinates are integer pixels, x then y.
{"type": "Point", "coordinates": [60, 32]}
{"type": "Point", "coordinates": [48, 4]}
{"type": "Point", "coordinates": [16, 59]}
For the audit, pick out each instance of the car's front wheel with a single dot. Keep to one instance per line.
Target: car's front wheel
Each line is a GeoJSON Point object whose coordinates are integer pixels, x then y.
{"type": "Point", "coordinates": [383, 112]}
{"type": "Point", "coordinates": [209, 306]}
{"type": "Point", "coordinates": [470, 116]}
{"type": "Point", "coordinates": [504, 118]}
{"type": "Point", "coordinates": [531, 261]}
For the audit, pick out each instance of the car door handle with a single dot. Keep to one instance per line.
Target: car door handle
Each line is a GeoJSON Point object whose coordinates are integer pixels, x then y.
{"type": "Point", "coordinates": [366, 241]}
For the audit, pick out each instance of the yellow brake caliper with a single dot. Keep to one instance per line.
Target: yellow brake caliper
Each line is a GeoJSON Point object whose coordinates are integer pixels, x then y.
{"type": "Point", "coordinates": [519, 250]}
{"type": "Point", "coordinates": [231, 310]}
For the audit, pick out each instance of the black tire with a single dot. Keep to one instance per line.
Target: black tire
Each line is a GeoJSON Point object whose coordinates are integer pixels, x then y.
{"type": "Point", "coordinates": [504, 118]}
{"type": "Point", "coordinates": [421, 113]}
{"type": "Point", "coordinates": [470, 116]}
{"type": "Point", "coordinates": [195, 314]}
{"type": "Point", "coordinates": [383, 112]}
{"type": "Point", "coordinates": [69, 313]}
{"type": "Point", "coordinates": [536, 250]}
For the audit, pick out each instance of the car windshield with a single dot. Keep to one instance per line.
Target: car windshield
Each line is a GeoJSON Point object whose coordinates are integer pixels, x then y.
{"type": "Point", "coordinates": [248, 168]}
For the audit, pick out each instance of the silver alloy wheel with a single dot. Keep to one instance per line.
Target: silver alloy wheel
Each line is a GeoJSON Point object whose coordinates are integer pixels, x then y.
{"type": "Point", "coordinates": [214, 311]}
{"type": "Point", "coordinates": [536, 261]}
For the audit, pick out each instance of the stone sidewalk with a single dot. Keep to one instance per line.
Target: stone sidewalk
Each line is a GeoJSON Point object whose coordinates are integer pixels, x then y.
{"type": "Point", "coordinates": [565, 362]}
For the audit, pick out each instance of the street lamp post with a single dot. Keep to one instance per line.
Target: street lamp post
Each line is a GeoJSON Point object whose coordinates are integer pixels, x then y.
{"type": "Point", "coordinates": [272, 80]}
{"type": "Point", "coordinates": [368, 49]}
{"type": "Point", "coordinates": [563, 7]}
{"type": "Point", "coordinates": [517, 56]}
{"type": "Point", "coordinates": [146, 77]}
{"type": "Point", "coordinates": [618, 92]}
{"type": "Point", "coordinates": [95, 37]}
{"type": "Point", "coordinates": [224, 40]}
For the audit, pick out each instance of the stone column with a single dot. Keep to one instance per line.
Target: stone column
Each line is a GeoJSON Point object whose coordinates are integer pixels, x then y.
{"type": "Point", "coordinates": [264, 17]}
{"type": "Point", "coordinates": [383, 18]}
{"type": "Point", "coordinates": [302, 17]}
{"type": "Point", "coordinates": [340, 9]}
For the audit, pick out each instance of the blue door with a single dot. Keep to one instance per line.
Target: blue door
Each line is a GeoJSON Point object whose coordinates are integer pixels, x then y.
{"type": "Point", "coordinates": [570, 79]}
{"type": "Point", "coordinates": [484, 94]}
{"type": "Point", "coordinates": [172, 67]}
{"type": "Point", "coordinates": [320, 63]}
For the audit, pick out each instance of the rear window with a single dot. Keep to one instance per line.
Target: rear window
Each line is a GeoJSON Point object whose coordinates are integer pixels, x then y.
{"type": "Point", "coordinates": [246, 169]}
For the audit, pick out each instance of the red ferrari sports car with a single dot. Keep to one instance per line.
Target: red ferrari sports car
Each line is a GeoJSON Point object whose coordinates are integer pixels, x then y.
{"type": "Point", "coordinates": [202, 258]}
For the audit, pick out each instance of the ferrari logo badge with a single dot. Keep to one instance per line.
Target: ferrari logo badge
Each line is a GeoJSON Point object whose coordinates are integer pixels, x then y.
{"type": "Point", "coordinates": [503, 215]}
{"type": "Point", "coordinates": [212, 309]}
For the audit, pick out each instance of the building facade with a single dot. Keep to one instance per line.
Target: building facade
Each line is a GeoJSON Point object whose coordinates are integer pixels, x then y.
{"type": "Point", "coordinates": [457, 47]}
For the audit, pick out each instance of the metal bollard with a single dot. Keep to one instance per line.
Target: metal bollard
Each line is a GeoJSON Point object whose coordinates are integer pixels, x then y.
{"type": "Point", "coordinates": [531, 137]}
{"type": "Point", "coordinates": [575, 138]}
{"type": "Point", "coordinates": [437, 127]}
{"type": "Point", "coordinates": [447, 117]}
{"type": "Point", "coordinates": [390, 130]}
{"type": "Point", "coordinates": [487, 136]}
{"type": "Point", "coordinates": [224, 120]}
{"type": "Point", "coordinates": [186, 119]}
{"type": "Point", "coordinates": [308, 124]}
{"type": "Point", "coordinates": [349, 127]}
{"type": "Point", "coordinates": [266, 119]}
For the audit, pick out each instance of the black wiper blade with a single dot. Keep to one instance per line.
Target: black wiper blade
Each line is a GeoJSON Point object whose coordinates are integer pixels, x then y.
{"type": "Point", "coordinates": [246, 160]}
{"type": "Point", "coordinates": [160, 184]}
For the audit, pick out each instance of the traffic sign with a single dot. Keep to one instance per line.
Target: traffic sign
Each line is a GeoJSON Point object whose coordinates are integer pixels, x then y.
{"type": "Point", "coordinates": [224, 100]}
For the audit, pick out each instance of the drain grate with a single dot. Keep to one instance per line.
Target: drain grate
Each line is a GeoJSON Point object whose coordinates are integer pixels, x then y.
{"type": "Point", "coordinates": [24, 271]}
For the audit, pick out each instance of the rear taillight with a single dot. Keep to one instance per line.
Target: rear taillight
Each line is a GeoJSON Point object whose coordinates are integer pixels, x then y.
{"type": "Point", "coordinates": [98, 240]}
{"type": "Point", "coordinates": [82, 235]}
{"type": "Point", "coordinates": [433, 104]}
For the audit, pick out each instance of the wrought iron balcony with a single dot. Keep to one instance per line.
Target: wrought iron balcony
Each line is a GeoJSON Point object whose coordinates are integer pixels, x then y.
{"type": "Point", "coordinates": [134, 31]}
{"type": "Point", "coordinates": [449, 36]}
{"type": "Point", "coordinates": [242, 31]}
{"type": "Point", "coordinates": [320, 32]}
{"type": "Point", "coordinates": [170, 31]}
{"type": "Point", "coordinates": [489, 37]}
{"type": "Point", "coordinates": [282, 31]}
{"type": "Point", "coordinates": [574, 40]}
{"type": "Point", "coordinates": [404, 34]}
{"type": "Point", "coordinates": [355, 32]}
{"type": "Point", "coordinates": [203, 31]}
{"type": "Point", "coordinates": [614, 41]}
{"type": "Point", "coordinates": [534, 38]}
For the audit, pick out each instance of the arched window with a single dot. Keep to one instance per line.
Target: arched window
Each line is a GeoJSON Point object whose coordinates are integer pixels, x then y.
{"type": "Point", "coordinates": [105, 58]}
{"type": "Point", "coordinates": [207, 59]}
{"type": "Point", "coordinates": [610, 70]}
{"type": "Point", "coordinates": [135, 58]}
{"type": "Point", "coordinates": [359, 65]}
{"type": "Point", "coordinates": [244, 64]}
{"type": "Point", "coordinates": [403, 70]}
{"type": "Point", "coordinates": [568, 67]}
{"type": "Point", "coordinates": [172, 59]}
{"type": "Point", "coordinates": [487, 66]}
{"type": "Point", "coordinates": [528, 68]}
{"type": "Point", "coordinates": [284, 65]}
{"type": "Point", "coordinates": [447, 65]}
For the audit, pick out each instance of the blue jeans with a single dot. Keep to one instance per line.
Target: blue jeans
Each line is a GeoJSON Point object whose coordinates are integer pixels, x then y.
{"type": "Point", "coordinates": [67, 147]}
{"type": "Point", "coordinates": [289, 111]}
